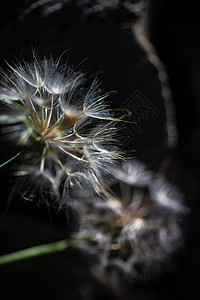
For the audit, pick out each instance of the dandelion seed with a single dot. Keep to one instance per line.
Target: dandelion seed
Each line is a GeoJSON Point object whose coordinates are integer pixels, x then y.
{"type": "Point", "coordinates": [134, 172]}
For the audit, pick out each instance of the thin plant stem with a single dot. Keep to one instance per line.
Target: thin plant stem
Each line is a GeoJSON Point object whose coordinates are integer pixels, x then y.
{"type": "Point", "coordinates": [40, 250]}
{"type": "Point", "coordinates": [4, 167]}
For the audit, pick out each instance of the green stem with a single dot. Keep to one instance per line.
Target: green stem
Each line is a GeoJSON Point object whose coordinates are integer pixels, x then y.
{"type": "Point", "coordinates": [40, 250]}
{"type": "Point", "coordinates": [9, 163]}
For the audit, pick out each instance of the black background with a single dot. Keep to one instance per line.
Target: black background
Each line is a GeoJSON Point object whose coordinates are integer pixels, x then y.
{"type": "Point", "coordinates": [113, 51]}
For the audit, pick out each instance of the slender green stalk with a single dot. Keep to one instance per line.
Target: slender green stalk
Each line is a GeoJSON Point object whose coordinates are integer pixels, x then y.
{"type": "Point", "coordinates": [9, 163]}
{"type": "Point", "coordinates": [40, 250]}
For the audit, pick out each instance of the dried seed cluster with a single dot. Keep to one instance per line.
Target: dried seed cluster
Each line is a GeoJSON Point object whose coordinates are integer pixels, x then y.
{"type": "Point", "coordinates": [65, 128]}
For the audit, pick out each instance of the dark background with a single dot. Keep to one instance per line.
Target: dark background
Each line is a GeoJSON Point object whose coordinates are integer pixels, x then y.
{"type": "Point", "coordinates": [113, 51]}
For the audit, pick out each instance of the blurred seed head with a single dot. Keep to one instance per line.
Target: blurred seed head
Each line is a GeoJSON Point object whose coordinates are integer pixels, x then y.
{"type": "Point", "coordinates": [136, 231]}
{"type": "Point", "coordinates": [88, 7]}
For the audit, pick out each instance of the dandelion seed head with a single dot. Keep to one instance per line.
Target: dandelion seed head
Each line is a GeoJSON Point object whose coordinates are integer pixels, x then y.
{"type": "Point", "coordinates": [64, 125]}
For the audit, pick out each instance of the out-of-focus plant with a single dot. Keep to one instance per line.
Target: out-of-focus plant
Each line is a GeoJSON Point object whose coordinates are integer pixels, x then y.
{"type": "Point", "coordinates": [68, 148]}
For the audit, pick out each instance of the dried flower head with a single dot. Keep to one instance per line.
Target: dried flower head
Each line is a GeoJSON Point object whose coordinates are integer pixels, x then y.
{"type": "Point", "coordinates": [65, 129]}
{"type": "Point", "coordinates": [135, 232]}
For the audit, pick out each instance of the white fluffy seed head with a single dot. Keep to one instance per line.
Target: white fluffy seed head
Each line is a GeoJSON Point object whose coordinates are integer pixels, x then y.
{"type": "Point", "coordinates": [65, 127]}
